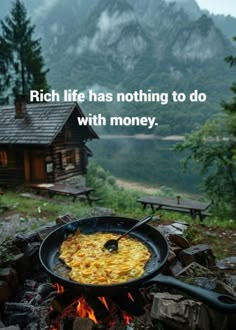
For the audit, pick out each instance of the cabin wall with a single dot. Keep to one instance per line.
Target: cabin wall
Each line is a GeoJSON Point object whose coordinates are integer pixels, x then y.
{"type": "Point", "coordinates": [68, 160]}
{"type": "Point", "coordinates": [23, 164]}
{"type": "Point", "coordinates": [60, 161]}
{"type": "Point", "coordinates": [65, 158]}
{"type": "Point", "coordinates": [69, 154]}
{"type": "Point", "coordinates": [12, 174]}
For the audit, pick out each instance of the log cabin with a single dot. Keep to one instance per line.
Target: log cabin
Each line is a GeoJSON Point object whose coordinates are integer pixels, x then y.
{"type": "Point", "coordinates": [42, 142]}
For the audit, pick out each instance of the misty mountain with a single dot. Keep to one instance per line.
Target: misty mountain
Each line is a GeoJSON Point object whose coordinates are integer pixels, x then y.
{"type": "Point", "coordinates": [227, 24]}
{"type": "Point", "coordinates": [81, 9]}
{"type": "Point", "coordinates": [189, 6]}
{"type": "Point", "coordinates": [122, 46]}
{"type": "Point", "coordinates": [118, 43]}
{"type": "Point", "coordinates": [127, 45]}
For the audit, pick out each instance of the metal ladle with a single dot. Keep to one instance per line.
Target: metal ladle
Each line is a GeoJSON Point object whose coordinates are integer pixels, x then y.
{"type": "Point", "coordinates": [112, 244]}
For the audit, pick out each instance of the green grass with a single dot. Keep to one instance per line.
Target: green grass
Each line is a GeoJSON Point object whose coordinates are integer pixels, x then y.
{"type": "Point", "coordinates": [212, 221]}
{"type": "Point", "coordinates": [50, 209]}
{"type": "Point", "coordinates": [121, 201]}
{"type": "Point", "coordinates": [33, 213]}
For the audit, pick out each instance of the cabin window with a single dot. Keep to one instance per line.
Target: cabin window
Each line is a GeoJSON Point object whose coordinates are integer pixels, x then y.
{"type": "Point", "coordinates": [49, 167]}
{"type": "Point", "coordinates": [70, 159]}
{"type": "Point", "coordinates": [3, 159]}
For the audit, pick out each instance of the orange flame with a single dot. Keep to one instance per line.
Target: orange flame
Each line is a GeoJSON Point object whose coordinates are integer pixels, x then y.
{"type": "Point", "coordinates": [59, 288]}
{"type": "Point", "coordinates": [103, 300]}
{"type": "Point", "coordinates": [85, 311]}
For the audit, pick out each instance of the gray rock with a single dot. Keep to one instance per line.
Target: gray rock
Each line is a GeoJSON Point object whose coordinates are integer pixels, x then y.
{"type": "Point", "coordinates": [177, 312]}
{"type": "Point", "coordinates": [176, 228]}
{"type": "Point", "coordinates": [227, 263]}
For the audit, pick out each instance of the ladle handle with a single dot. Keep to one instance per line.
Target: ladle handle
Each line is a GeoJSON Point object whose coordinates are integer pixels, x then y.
{"type": "Point", "coordinates": [140, 223]}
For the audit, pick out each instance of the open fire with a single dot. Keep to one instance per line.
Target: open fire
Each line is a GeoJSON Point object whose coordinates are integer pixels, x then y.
{"type": "Point", "coordinates": [30, 301]}
{"type": "Point", "coordinates": [102, 312]}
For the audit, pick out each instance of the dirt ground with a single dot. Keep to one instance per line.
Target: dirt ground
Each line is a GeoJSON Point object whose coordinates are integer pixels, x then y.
{"type": "Point", "coordinates": [12, 223]}
{"type": "Point", "coordinates": [137, 186]}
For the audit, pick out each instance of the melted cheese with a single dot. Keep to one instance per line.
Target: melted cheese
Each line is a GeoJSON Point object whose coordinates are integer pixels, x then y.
{"type": "Point", "coordinates": [91, 263]}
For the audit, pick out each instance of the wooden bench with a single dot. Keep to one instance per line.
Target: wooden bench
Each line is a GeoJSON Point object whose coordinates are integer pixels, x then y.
{"type": "Point", "coordinates": [175, 209]}
{"type": "Point", "coordinates": [89, 199]}
{"type": "Point", "coordinates": [191, 207]}
{"type": "Point", "coordinates": [63, 189]}
{"type": "Point", "coordinates": [170, 208]}
{"type": "Point", "coordinates": [206, 214]}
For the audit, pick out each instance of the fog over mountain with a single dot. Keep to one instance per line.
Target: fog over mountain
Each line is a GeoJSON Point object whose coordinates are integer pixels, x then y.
{"type": "Point", "coordinates": [226, 23]}
{"type": "Point", "coordinates": [122, 41]}
{"type": "Point", "coordinates": [128, 45]}
{"type": "Point", "coordinates": [189, 6]}
{"type": "Point", "coordinates": [42, 7]}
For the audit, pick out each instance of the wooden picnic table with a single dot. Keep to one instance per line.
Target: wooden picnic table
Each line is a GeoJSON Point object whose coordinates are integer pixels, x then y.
{"type": "Point", "coordinates": [64, 189]}
{"type": "Point", "coordinates": [193, 207]}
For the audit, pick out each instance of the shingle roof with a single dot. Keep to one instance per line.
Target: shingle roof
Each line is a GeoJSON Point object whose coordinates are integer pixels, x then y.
{"type": "Point", "coordinates": [41, 124]}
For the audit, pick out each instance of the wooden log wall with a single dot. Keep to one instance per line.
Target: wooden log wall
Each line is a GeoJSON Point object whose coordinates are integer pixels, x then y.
{"type": "Point", "coordinates": [13, 173]}
{"type": "Point", "coordinates": [70, 138]}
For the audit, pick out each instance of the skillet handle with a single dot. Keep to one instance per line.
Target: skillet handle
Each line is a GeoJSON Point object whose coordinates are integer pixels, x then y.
{"type": "Point", "coordinates": [222, 302]}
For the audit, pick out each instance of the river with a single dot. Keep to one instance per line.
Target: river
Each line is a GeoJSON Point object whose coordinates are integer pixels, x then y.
{"type": "Point", "coordinates": [146, 159]}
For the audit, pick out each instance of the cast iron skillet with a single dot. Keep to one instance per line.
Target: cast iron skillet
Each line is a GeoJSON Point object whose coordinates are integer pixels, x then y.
{"type": "Point", "coordinates": [154, 240]}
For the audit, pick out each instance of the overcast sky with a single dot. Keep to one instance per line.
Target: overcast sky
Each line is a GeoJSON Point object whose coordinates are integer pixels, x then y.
{"type": "Point", "coordinates": [219, 6]}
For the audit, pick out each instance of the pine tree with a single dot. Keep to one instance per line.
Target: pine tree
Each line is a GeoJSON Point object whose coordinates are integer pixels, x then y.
{"type": "Point", "coordinates": [21, 61]}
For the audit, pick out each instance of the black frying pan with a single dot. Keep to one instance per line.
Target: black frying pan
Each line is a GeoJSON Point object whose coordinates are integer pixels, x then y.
{"type": "Point", "coordinates": [154, 240]}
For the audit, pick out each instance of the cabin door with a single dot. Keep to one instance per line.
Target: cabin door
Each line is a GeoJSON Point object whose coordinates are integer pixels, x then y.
{"type": "Point", "coordinates": [37, 167]}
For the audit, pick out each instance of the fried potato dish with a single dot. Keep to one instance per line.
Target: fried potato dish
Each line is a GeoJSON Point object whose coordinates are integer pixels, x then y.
{"type": "Point", "coordinates": [90, 263]}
